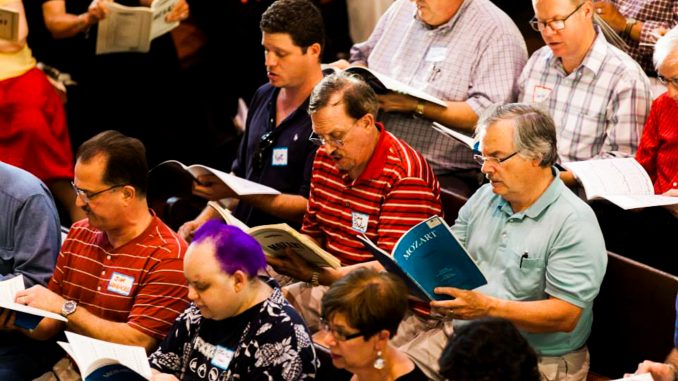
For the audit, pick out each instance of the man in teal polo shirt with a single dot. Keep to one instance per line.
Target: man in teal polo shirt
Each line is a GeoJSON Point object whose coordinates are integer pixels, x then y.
{"type": "Point", "coordinates": [539, 245]}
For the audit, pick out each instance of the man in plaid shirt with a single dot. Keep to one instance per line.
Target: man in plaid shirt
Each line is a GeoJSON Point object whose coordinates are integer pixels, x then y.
{"type": "Point", "coordinates": [598, 96]}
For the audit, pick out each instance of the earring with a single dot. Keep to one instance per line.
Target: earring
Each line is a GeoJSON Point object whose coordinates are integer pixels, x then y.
{"type": "Point", "coordinates": [379, 361]}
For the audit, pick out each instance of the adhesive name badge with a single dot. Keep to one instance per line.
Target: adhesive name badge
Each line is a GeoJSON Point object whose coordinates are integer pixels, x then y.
{"type": "Point", "coordinates": [222, 357]}
{"type": "Point", "coordinates": [436, 54]}
{"type": "Point", "coordinates": [279, 156]}
{"type": "Point", "coordinates": [540, 94]}
{"type": "Point", "coordinates": [360, 221]}
{"type": "Point", "coordinates": [120, 283]}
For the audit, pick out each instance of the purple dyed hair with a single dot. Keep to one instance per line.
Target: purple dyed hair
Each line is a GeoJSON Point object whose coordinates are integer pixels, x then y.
{"type": "Point", "coordinates": [235, 249]}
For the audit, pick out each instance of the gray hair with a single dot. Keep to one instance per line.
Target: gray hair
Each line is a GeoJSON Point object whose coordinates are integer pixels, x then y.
{"type": "Point", "coordinates": [536, 132]}
{"type": "Point", "coordinates": [357, 96]}
{"type": "Point", "coordinates": [665, 46]}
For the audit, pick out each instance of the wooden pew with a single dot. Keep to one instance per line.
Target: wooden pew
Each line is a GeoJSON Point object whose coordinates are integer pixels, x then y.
{"type": "Point", "coordinates": [633, 317]}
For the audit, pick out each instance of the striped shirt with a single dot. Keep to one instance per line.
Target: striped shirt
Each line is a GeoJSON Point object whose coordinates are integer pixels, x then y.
{"type": "Point", "coordinates": [396, 191]}
{"type": "Point", "coordinates": [141, 283]}
{"type": "Point", "coordinates": [476, 57]}
{"type": "Point", "coordinates": [658, 151]}
{"type": "Point", "coordinates": [599, 108]}
{"type": "Point", "coordinates": [653, 14]}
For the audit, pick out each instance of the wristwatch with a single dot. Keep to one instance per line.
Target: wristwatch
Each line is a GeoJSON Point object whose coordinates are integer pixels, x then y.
{"type": "Point", "coordinates": [419, 110]}
{"type": "Point", "coordinates": [630, 22]}
{"type": "Point", "coordinates": [68, 308]}
{"type": "Point", "coordinates": [314, 279]}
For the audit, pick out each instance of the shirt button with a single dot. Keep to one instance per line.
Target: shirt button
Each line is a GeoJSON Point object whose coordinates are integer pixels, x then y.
{"type": "Point", "coordinates": [103, 272]}
{"type": "Point", "coordinates": [109, 257]}
{"type": "Point", "coordinates": [675, 184]}
{"type": "Point", "coordinates": [99, 288]}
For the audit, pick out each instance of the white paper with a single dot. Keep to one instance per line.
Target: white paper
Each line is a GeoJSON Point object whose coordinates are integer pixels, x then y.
{"type": "Point", "coordinates": [9, 24]}
{"type": "Point", "coordinates": [131, 29]}
{"type": "Point", "coordinates": [612, 177]}
{"type": "Point", "coordinates": [91, 354]}
{"type": "Point", "coordinates": [8, 290]}
{"type": "Point", "coordinates": [641, 201]}
{"type": "Point", "coordinates": [228, 217]}
{"type": "Point", "coordinates": [467, 140]}
{"type": "Point", "coordinates": [637, 377]}
{"type": "Point", "coordinates": [238, 185]}
{"type": "Point", "coordinates": [622, 181]}
{"type": "Point", "coordinates": [159, 26]}
{"type": "Point", "coordinates": [400, 87]}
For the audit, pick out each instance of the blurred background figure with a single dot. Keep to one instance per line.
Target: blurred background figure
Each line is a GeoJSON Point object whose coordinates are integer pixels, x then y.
{"type": "Point", "coordinates": [489, 349]}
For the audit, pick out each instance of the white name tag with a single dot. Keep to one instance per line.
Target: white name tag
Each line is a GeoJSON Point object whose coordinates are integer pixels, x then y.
{"type": "Point", "coordinates": [540, 94]}
{"type": "Point", "coordinates": [360, 221]}
{"type": "Point", "coordinates": [436, 54]}
{"type": "Point", "coordinates": [222, 357]}
{"type": "Point", "coordinates": [120, 284]}
{"type": "Point", "coordinates": [279, 156]}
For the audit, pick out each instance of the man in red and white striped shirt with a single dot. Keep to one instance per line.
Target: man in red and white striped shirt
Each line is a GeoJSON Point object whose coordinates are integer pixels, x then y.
{"type": "Point", "coordinates": [364, 180]}
{"type": "Point", "coordinates": [119, 275]}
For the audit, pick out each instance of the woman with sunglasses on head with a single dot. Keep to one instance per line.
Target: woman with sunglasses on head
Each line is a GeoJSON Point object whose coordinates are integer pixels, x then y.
{"type": "Point", "coordinates": [361, 312]}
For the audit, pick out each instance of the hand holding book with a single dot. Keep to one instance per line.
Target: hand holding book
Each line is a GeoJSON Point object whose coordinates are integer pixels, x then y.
{"type": "Point", "coordinates": [465, 305]}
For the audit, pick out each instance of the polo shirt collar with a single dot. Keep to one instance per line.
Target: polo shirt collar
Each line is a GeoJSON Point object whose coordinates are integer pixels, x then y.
{"type": "Point", "coordinates": [271, 105]}
{"type": "Point", "coordinates": [378, 159]}
{"type": "Point", "coordinates": [547, 198]}
{"type": "Point", "coordinates": [594, 57]}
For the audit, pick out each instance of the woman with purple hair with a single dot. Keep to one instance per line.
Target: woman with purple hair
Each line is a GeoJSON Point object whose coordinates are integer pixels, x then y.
{"type": "Point", "coordinates": [238, 326]}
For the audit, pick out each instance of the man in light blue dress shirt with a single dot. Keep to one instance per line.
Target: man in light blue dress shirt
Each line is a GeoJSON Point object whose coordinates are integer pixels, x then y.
{"type": "Point", "coordinates": [538, 244]}
{"type": "Point", "coordinates": [30, 238]}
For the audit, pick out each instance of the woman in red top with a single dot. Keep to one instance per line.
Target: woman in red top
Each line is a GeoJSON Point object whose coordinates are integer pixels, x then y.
{"type": "Point", "coordinates": [658, 150]}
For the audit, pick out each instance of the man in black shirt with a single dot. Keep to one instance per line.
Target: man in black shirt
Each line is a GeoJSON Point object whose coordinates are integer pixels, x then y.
{"type": "Point", "coordinates": [275, 150]}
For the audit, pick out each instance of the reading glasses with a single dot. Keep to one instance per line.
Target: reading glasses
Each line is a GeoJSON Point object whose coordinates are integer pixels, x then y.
{"type": "Point", "coordinates": [341, 336]}
{"type": "Point", "coordinates": [317, 140]}
{"type": "Point", "coordinates": [335, 142]}
{"type": "Point", "coordinates": [554, 25]}
{"type": "Point", "coordinates": [666, 81]}
{"type": "Point", "coordinates": [480, 159]}
{"type": "Point", "coordinates": [87, 196]}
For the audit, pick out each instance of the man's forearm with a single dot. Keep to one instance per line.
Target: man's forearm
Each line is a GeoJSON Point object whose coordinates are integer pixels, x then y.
{"type": "Point", "coordinates": [543, 316]}
{"type": "Point", "coordinates": [88, 324]}
{"type": "Point", "coordinates": [458, 115]}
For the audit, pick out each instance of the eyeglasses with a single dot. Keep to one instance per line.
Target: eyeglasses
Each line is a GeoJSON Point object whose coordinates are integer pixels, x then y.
{"type": "Point", "coordinates": [87, 196]}
{"type": "Point", "coordinates": [335, 142]}
{"type": "Point", "coordinates": [265, 142]}
{"type": "Point", "coordinates": [480, 159]}
{"type": "Point", "coordinates": [341, 336]}
{"type": "Point", "coordinates": [554, 25]}
{"type": "Point", "coordinates": [666, 81]}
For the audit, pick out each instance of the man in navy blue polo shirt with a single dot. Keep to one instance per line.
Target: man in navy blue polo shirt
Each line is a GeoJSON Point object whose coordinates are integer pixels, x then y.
{"type": "Point", "coordinates": [275, 150]}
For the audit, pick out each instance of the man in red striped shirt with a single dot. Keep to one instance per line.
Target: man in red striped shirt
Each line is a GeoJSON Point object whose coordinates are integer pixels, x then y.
{"type": "Point", "coordinates": [119, 275]}
{"type": "Point", "coordinates": [364, 180]}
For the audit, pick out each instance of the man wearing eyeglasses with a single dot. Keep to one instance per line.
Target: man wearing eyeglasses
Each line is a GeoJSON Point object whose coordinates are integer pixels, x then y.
{"type": "Point", "coordinates": [597, 95]}
{"type": "Point", "coordinates": [466, 52]}
{"type": "Point", "coordinates": [364, 181]}
{"type": "Point", "coordinates": [119, 275]}
{"type": "Point", "coordinates": [538, 244]}
{"type": "Point", "coordinates": [275, 150]}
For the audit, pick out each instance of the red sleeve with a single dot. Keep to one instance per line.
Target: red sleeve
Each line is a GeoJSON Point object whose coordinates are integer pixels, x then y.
{"type": "Point", "coordinates": [409, 202]}
{"type": "Point", "coordinates": [649, 142]}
